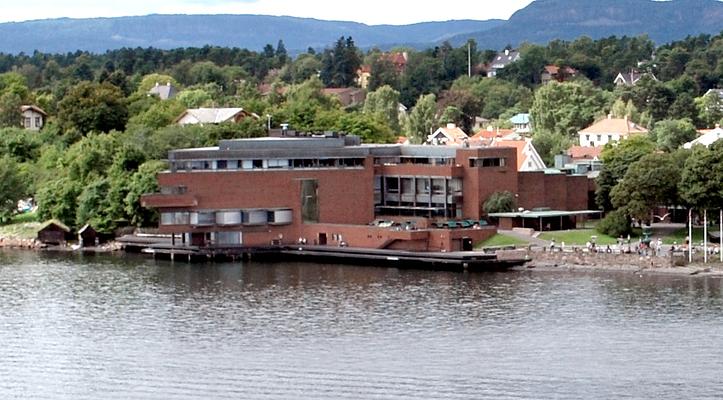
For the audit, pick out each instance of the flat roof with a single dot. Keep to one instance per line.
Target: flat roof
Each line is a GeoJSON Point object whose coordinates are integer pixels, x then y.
{"type": "Point", "coordinates": [543, 214]}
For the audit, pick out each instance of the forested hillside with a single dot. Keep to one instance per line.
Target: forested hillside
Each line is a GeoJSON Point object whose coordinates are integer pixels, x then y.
{"type": "Point", "coordinates": [106, 137]}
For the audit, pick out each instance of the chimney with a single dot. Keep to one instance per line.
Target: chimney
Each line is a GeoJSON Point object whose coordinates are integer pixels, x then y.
{"type": "Point", "coordinates": [156, 84]}
{"type": "Point", "coordinates": [507, 52]}
{"type": "Point", "coordinates": [451, 126]}
{"type": "Point", "coordinates": [717, 126]}
{"type": "Point", "coordinates": [610, 116]}
{"type": "Point", "coordinates": [168, 84]}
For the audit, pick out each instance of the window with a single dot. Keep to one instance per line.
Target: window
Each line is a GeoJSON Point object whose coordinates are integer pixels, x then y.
{"type": "Point", "coordinates": [27, 122]}
{"type": "Point", "coordinates": [37, 122]}
{"type": "Point", "coordinates": [599, 138]}
{"type": "Point", "coordinates": [487, 162]}
{"type": "Point", "coordinates": [221, 164]}
{"type": "Point", "coordinates": [392, 184]}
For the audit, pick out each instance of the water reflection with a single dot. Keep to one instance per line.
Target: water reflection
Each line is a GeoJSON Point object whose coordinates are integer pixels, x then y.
{"type": "Point", "coordinates": [128, 327]}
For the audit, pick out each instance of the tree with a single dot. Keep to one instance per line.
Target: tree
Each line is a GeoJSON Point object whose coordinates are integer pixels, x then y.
{"type": "Point", "coordinates": [369, 127]}
{"type": "Point", "coordinates": [12, 187]}
{"type": "Point", "coordinates": [10, 115]}
{"type": "Point", "coordinates": [194, 98]}
{"type": "Point", "coordinates": [143, 181]}
{"type": "Point", "coordinates": [649, 182]}
{"type": "Point", "coordinates": [151, 80]}
{"type": "Point", "coordinates": [499, 202]}
{"type": "Point", "coordinates": [469, 106]}
{"type": "Point", "coordinates": [90, 106]}
{"type": "Point", "coordinates": [616, 161]}
{"type": "Point", "coordinates": [615, 224]}
{"type": "Point", "coordinates": [710, 109]}
{"type": "Point", "coordinates": [671, 134]}
{"type": "Point", "coordinates": [548, 145]}
{"type": "Point", "coordinates": [383, 72]}
{"type": "Point", "coordinates": [701, 183]}
{"type": "Point", "coordinates": [566, 108]}
{"type": "Point", "coordinates": [422, 119]}
{"type": "Point", "coordinates": [384, 103]}
{"type": "Point", "coordinates": [339, 65]}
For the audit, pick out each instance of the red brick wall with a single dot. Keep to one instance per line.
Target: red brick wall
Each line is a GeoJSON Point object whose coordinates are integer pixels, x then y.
{"type": "Point", "coordinates": [345, 196]}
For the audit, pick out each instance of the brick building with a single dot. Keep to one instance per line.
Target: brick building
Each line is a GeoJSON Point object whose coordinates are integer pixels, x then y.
{"type": "Point", "coordinates": [334, 190]}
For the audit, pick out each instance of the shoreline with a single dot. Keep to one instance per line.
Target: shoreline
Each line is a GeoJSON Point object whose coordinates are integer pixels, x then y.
{"type": "Point", "coordinates": [540, 261]}
{"type": "Point", "coordinates": [625, 263]}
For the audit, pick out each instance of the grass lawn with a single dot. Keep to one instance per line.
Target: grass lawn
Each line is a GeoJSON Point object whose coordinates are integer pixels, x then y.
{"type": "Point", "coordinates": [680, 235]}
{"type": "Point", "coordinates": [22, 230]}
{"type": "Point", "coordinates": [24, 217]}
{"type": "Point", "coordinates": [577, 237]}
{"type": "Point", "coordinates": [501, 239]}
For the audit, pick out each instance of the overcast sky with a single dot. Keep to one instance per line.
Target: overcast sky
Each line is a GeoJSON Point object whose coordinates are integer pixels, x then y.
{"type": "Point", "coordinates": [368, 11]}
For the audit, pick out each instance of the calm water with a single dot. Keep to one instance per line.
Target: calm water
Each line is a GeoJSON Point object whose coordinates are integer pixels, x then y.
{"type": "Point", "coordinates": [108, 327]}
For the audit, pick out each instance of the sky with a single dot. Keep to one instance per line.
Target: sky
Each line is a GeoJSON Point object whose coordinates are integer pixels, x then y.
{"type": "Point", "coordinates": [368, 11]}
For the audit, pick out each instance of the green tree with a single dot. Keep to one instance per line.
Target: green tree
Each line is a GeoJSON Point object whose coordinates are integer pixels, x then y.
{"type": "Point", "coordinates": [422, 119]}
{"type": "Point", "coordinates": [142, 182]}
{"type": "Point", "coordinates": [548, 145]}
{"type": "Point", "coordinates": [383, 72]}
{"type": "Point", "coordinates": [160, 114]}
{"type": "Point", "coordinates": [194, 98]}
{"type": "Point", "coordinates": [10, 115]}
{"type": "Point", "coordinates": [566, 108]}
{"type": "Point", "coordinates": [90, 106]}
{"type": "Point", "coordinates": [12, 187]}
{"type": "Point", "coordinates": [151, 80]}
{"type": "Point", "coordinates": [710, 109]}
{"type": "Point", "coordinates": [671, 134]}
{"type": "Point", "coordinates": [615, 224]}
{"type": "Point", "coordinates": [339, 65]}
{"type": "Point", "coordinates": [701, 184]}
{"type": "Point", "coordinates": [499, 202]}
{"type": "Point", "coordinates": [649, 182]}
{"type": "Point", "coordinates": [384, 103]}
{"type": "Point", "coordinates": [616, 160]}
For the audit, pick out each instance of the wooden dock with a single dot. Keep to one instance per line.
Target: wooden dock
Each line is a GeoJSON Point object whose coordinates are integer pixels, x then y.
{"type": "Point", "coordinates": [445, 261]}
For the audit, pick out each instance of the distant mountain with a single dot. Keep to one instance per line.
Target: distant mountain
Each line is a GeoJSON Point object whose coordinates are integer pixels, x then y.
{"type": "Point", "coordinates": [546, 20]}
{"type": "Point", "coordinates": [245, 31]}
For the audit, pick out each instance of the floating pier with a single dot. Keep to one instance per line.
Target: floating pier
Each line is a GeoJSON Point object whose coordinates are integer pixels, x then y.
{"type": "Point", "coordinates": [445, 261]}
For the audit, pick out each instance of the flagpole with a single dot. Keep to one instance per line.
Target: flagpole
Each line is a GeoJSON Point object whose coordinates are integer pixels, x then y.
{"type": "Point", "coordinates": [705, 235]}
{"type": "Point", "coordinates": [690, 235]}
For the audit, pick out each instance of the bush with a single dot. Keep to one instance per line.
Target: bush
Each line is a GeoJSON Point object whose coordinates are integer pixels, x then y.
{"type": "Point", "coordinates": [499, 202]}
{"type": "Point", "coordinates": [615, 224]}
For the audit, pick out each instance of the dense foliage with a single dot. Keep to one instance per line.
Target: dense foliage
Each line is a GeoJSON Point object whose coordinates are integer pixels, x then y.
{"type": "Point", "coordinates": [100, 147]}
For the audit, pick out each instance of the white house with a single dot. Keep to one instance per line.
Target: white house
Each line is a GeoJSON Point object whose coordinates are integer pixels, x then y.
{"type": "Point", "coordinates": [521, 123]}
{"type": "Point", "coordinates": [528, 159]}
{"type": "Point", "coordinates": [708, 137]}
{"type": "Point", "coordinates": [449, 135]}
{"type": "Point", "coordinates": [213, 116]}
{"type": "Point", "coordinates": [609, 130]}
{"type": "Point", "coordinates": [631, 78]}
{"type": "Point", "coordinates": [164, 92]}
{"type": "Point", "coordinates": [33, 117]}
{"type": "Point", "coordinates": [502, 60]}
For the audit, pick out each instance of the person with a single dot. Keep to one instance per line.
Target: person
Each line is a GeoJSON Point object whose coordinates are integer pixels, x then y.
{"type": "Point", "coordinates": [552, 245]}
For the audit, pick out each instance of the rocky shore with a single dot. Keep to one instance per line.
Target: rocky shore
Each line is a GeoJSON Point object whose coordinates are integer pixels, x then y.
{"type": "Point", "coordinates": [634, 263]}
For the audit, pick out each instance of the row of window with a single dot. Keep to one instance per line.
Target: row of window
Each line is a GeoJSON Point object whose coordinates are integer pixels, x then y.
{"type": "Point", "coordinates": [396, 160]}
{"type": "Point", "coordinates": [228, 217]}
{"type": "Point", "coordinates": [273, 163]}
{"type": "Point", "coordinates": [418, 185]}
